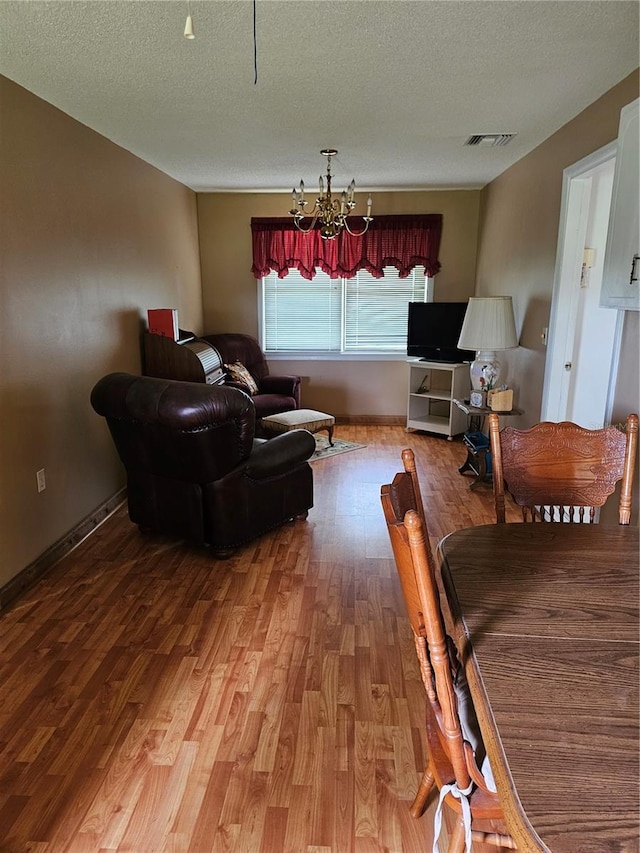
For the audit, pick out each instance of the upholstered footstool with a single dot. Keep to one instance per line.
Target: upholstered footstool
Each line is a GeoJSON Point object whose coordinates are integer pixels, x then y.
{"type": "Point", "coordinates": [299, 419]}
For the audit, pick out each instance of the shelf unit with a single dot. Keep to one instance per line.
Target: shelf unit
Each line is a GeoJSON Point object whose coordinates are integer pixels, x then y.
{"type": "Point", "coordinates": [433, 386]}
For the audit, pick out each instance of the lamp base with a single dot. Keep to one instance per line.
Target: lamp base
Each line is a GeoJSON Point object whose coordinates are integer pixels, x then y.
{"type": "Point", "coordinates": [485, 371]}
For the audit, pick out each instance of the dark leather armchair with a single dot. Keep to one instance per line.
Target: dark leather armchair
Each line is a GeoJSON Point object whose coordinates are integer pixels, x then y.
{"type": "Point", "coordinates": [276, 394]}
{"type": "Point", "coordinates": [194, 469]}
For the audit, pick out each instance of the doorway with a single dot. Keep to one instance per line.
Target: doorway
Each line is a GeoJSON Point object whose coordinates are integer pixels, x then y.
{"type": "Point", "coordinates": [584, 339]}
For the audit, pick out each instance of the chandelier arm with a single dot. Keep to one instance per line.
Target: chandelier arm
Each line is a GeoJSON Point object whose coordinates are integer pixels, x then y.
{"type": "Point", "coordinates": [367, 220]}
{"type": "Point", "coordinates": [297, 220]}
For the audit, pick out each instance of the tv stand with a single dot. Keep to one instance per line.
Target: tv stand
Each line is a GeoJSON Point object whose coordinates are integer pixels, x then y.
{"type": "Point", "coordinates": [433, 387]}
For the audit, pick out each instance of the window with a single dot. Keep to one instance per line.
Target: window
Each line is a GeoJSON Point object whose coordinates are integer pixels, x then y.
{"type": "Point", "coordinates": [349, 295]}
{"type": "Point", "coordinates": [361, 314]}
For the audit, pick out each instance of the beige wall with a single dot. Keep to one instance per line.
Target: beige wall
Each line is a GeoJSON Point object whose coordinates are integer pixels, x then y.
{"type": "Point", "coordinates": [519, 223]}
{"type": "Point", "coordinates": [520, 217]}
{"type": "Point", "coordinates": [345, 388]}
{"type": "Point", "coordinates": [90, 237]}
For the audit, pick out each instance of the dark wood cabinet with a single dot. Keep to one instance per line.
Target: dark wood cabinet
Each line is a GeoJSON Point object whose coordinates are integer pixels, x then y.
{"type": "Point", "coordinates": [190, 359]}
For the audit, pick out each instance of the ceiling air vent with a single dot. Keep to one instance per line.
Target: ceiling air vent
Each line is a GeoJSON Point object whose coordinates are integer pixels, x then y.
{"type": "Point", "coordinates": [489, 140]}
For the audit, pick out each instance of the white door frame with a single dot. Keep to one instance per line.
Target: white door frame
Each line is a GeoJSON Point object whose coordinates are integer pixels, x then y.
{"type": "Point", "coordinates": [574, 210]}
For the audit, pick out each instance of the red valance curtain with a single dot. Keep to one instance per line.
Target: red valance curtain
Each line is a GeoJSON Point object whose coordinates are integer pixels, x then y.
{"type": "Point", "coordinates": [401, 241]}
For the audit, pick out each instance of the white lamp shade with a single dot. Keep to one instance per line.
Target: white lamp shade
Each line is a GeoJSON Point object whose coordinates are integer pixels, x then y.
{"type": "Point", "coordinates": [188, 28]}
{"type": "Point", "coordinates": [488, 324]}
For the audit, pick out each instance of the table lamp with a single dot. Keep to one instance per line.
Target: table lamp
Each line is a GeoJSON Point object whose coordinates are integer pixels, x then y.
{"type": "Point", "coordinates": [489, 325]}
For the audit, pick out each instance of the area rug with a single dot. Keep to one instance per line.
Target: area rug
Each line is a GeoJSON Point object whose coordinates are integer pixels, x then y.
{"type": "Point", "coordinates": [324, 449]}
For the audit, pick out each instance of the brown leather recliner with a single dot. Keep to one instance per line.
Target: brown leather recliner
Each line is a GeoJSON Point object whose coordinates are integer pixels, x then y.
{"type": "Point", "coordinates": [194, 469]}
{"type": "Point", "coordinates": [276, 394]}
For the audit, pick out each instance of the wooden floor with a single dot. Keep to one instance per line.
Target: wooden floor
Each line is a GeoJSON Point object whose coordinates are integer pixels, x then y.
{"type": "Point", "coordinates": [153, 699]}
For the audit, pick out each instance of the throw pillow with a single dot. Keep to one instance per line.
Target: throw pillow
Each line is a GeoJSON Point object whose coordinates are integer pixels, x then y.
{"type": "Point", "coordinates": [239, 373]}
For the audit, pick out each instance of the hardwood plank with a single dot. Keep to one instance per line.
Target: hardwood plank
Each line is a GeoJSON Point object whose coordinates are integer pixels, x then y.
{"type": "Point", "coordinates": [155, 699]}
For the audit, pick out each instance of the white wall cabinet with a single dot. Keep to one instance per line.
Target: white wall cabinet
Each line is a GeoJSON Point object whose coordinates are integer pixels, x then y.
{"type": "Point", "coordinates": [433, 386]}
{"type": "Point", "coordinates": [620, 287]}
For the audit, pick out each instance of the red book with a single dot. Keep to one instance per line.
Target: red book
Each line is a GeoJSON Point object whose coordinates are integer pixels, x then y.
{"type": "Point", "coordinates": [163, 321]}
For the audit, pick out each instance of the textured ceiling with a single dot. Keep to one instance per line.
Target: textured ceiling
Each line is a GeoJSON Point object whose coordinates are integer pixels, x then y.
{"type": "Point", "coordinates": [396, 86]}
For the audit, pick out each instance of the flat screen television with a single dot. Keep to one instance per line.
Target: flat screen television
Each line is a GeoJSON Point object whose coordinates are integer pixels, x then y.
{"type": "Point", "coordinates": [433, 330]}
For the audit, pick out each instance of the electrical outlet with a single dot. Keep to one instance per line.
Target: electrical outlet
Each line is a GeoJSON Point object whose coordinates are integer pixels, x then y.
{"type": "Point", "coordinates": [42, 483]}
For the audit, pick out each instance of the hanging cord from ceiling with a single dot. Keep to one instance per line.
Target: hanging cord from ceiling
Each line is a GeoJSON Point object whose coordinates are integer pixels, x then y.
{"type": "Point", "coordinates": [255, 47]}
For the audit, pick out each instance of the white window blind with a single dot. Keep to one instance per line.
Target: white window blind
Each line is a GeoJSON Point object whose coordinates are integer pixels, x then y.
{"type": "Point", "coordinates": [357, 315]}
{"type": "Point", "coordinates": [376, 309]}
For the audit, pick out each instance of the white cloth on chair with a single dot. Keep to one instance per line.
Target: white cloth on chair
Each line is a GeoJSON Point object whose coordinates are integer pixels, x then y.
{"type": "Point", "coordinates": [471, 733]}
{"type": "Point", "coordinates": [463, 796]}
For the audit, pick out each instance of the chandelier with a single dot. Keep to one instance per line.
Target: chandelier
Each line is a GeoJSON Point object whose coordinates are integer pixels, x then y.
{"type": "Point", "coordinates": [330, 212]}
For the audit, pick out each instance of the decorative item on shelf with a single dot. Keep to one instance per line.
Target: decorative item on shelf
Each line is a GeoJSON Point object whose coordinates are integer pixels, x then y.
{"type": "Point", "coordinates": [331, 213]}
{"type": "Point", "coordinates": [500, 400]}
{"type": "Point", "coordinates": [478, 399]}
{"type": "Point", "coordinates": [163, 321]}
{"type": "Point", "coordinates": [489, 325]}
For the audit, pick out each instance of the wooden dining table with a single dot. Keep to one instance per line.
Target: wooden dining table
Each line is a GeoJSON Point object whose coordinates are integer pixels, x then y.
{"type": "Point", "coordinates": [546, 619]}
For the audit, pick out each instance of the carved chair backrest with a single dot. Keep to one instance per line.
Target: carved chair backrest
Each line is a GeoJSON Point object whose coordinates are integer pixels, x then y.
{"type": "Point", "coordinates": [561, 471]}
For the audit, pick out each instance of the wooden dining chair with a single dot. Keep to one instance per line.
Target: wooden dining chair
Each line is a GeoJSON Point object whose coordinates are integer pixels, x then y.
{"type": "Point", "coordinates": [561, 471]}
{"type": "Point", "coordinates": [456, 765]}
